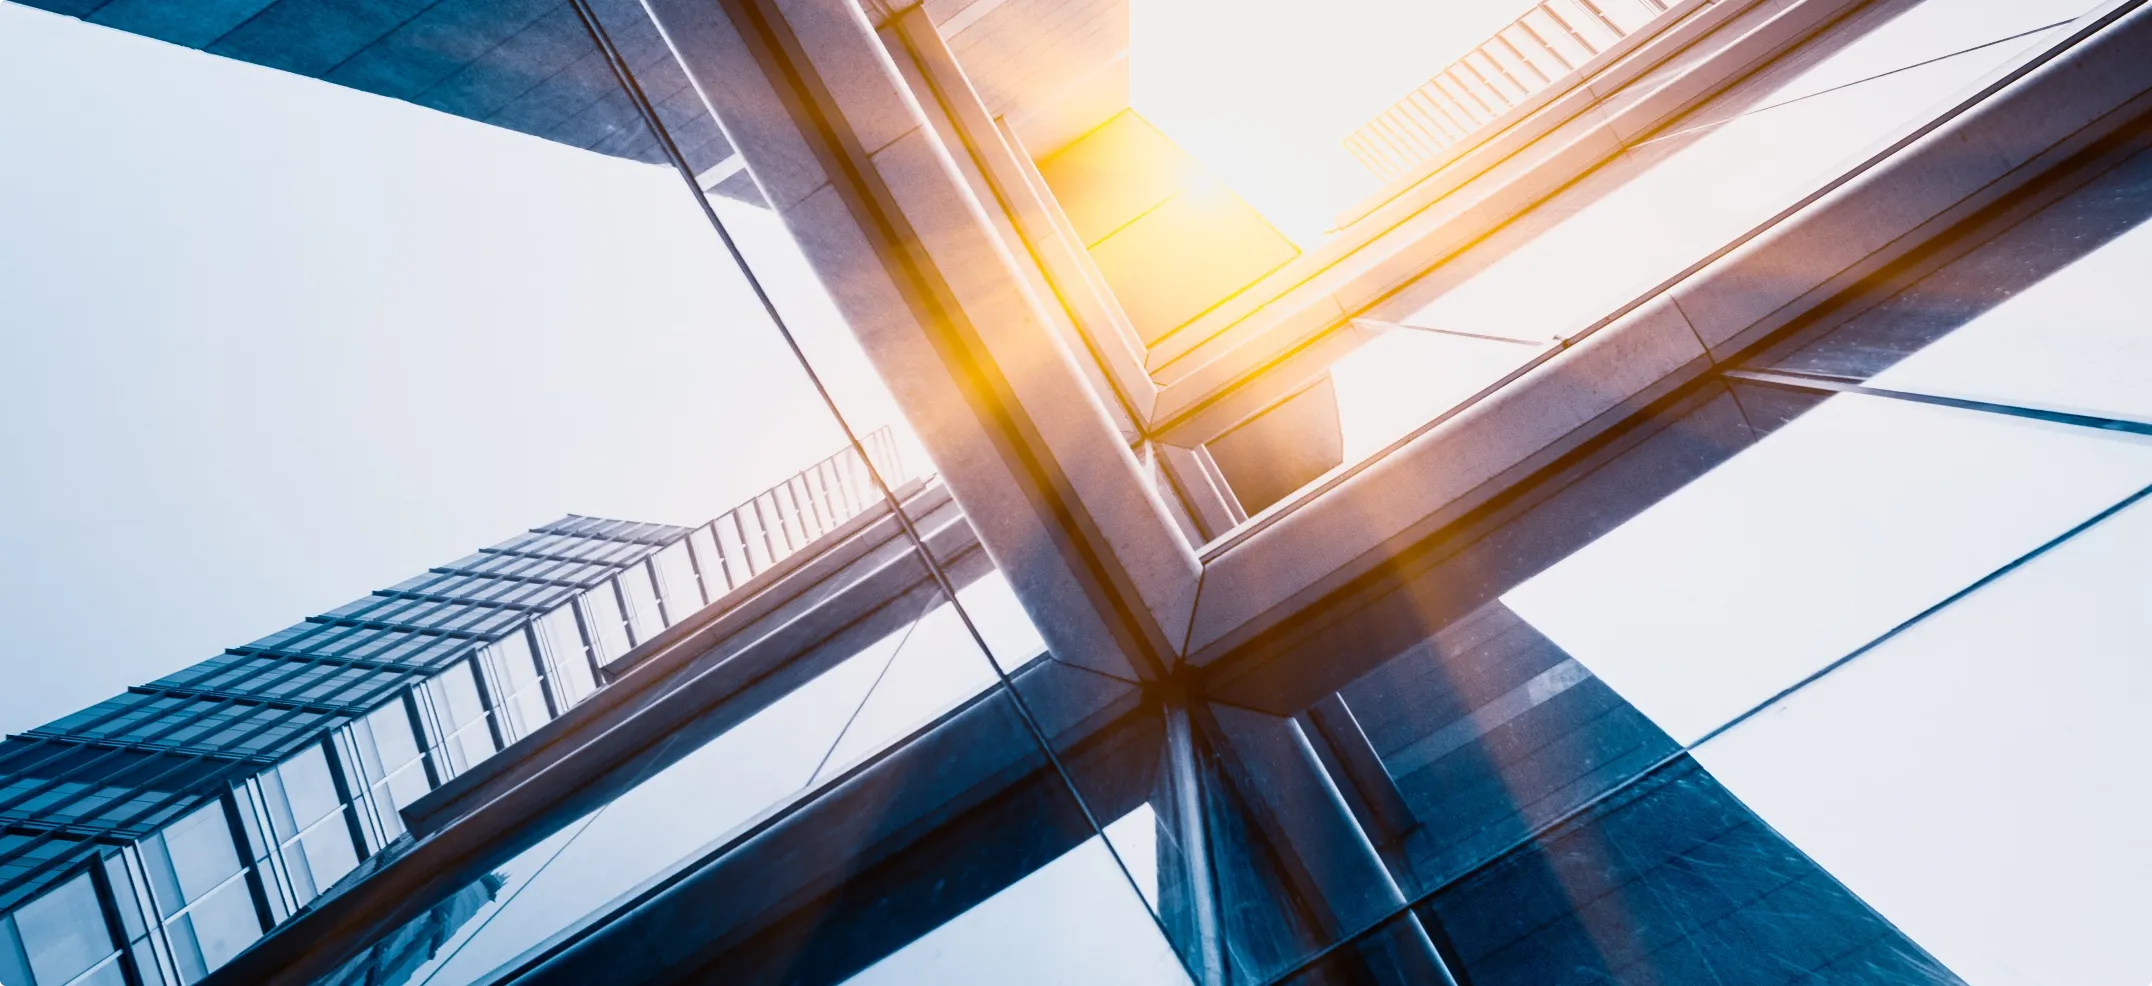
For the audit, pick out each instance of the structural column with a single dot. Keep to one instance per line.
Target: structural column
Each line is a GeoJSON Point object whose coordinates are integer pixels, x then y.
{"type": "Point", "coordinates": [1333, 875]}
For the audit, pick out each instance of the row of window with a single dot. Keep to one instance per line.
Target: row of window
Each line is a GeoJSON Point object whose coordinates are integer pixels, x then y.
{"type": "Point", "coordinates": [173, 906]}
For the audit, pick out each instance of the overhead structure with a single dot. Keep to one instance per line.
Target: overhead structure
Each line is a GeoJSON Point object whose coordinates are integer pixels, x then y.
{"type": "Point", "coordinates": [1685, 525]}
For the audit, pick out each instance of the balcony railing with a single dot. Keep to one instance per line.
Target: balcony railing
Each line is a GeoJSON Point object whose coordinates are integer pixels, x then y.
{"type": "Point", "coordinates": [781, 520]}
{"type": "Point", "coordinates": [1550, 43]}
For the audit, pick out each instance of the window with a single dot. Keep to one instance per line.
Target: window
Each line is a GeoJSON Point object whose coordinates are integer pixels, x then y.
{"type": "Point", "coordinates": [456, 705]}
{"type": "Point", "coordinates": [1073, 921]}
{"type": "Point", "coordinates": [602, 620]}
{"type": "Point", "coordinates": [514, 672]}
{"type": "Point", "coordinates": [63, 934]}
{"type": "Point", "coordinates": [645, 619]}
{"type": "Point", "coordinates": [313, 835]}
{"type": "Point", "coordinates": [560, 639]}
{"type": "Point", "coordinates": [201, 890]}
{"type": "Point", "coordinates": [394, 767]}
{"type": "Point", "coordinates": [676, 582]}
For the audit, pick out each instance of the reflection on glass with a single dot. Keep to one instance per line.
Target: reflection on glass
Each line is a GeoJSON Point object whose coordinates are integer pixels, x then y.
{"type": "Point", "coordinates": [641, 596]}
{"type": "Point", "coordinates": [1672, 881]}
{"type": "Point", "coordinates": [194, 870]}
{"type": "Point", "coordinates": [1693, 190]}
{"type": "Point", "coordinates": [310, 828]}
{"type": "Point", "coordinates": [455, 704]}
{"type": "Point", "coordinates": [1485, 733]}
{"type": "Point", "coordinates": [992, 605]}
{"type": "Point", "coordinates": [1976, 778]}
{"type": "Point", "coordinates": [393, 763]}
{"type": "Point", "coordinates": [934, 666]}
{"type": "Point", "coordinates": [1399, 952]}
{"type": "Point", "coordinates": [1669, 201]}
{"type": "Point", "coordinates": [63, 932]}
{"type": "Point", "coordinates": [2045, 315]}
{"type": "Point", "coordinates": [603, 622]}
{"type": "Point", "coordinates": [861, 703]}
{"type": "Point", "coordinates": [1075, 920]}
{"type": "Point", "coordinates": [396, 958]}
{"type": "Point", "coordinates": [1406, 377]}
{"type": "Point", "coordinates": [1828, 532]}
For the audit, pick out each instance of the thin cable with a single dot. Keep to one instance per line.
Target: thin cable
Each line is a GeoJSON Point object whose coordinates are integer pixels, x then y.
{"type": "Point", "coordinates": [526, 885]}
{"type": "Point", "coordinates": [626, 77]}
{"type": "Point", "coordinates": [1685, 749]}
{"type": "Point", "coordinates": [1847, 85]}
{"type": "Point", "coordinates": [864, 699]}
{"type": "Point", "coordinates": [1812, 383]}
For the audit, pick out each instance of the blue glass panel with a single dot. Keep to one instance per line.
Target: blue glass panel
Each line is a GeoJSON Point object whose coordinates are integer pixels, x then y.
{"type": "Point", "coordinates": [1074, 921]}
{"type": "Point", "coordinates": [13, 963]}
{"type": "Point", "coordinates": [1671, 882]}
{"type": "Point", "coordinates": [201, 855]}
{"type": "Point", "coordinates": [1975, 778]}
{"type": "Point", "coordinates": [2046, 314]}
{"type": "Point", "coordinates": [64, 931]}
{"type": "Point", "coordinates": [214, 929]}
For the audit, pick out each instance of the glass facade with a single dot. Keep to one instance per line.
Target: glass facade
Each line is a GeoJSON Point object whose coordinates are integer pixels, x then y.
{"type": "Point", "coordinates": [1756, 692]}
{"type": "Point", "coordinates": [1817, 662]}
{"type": "Point", "coordinates": [1666, 203]}
{"type": "Point", "coordinates": [155, 836]}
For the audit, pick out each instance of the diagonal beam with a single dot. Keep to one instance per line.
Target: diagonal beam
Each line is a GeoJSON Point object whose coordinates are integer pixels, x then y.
{"type": "Point", "coordinates": [690, 683]}
{"type": "Point", "coordinates": [845, 155]}
{"type": "Point", "coordinates": [2080, 88]}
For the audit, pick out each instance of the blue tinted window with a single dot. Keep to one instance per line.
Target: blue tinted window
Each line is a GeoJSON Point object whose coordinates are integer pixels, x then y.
{"type": "Point", "coordinates": [64, 932]}
{"type": "Point", "coordinates": [309, 786]}
{"type": "Point", "coordinates": [1074, 921]}
{"type": "Point", "coordinates": [14, 966]}
{"type": "Point", "coordinates": [215, 928]}
{"type": "Point", "coordinates": [197, 855]}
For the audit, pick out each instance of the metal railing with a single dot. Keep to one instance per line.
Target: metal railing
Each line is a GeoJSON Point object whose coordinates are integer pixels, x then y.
{"type": "Point", "coordinates": [779, 521]}
{"type": "Point", "coordinates": [1548, 44]}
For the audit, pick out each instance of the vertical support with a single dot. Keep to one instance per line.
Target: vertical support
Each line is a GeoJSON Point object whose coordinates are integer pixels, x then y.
{"type": "Point", "coordinates": [1381, 807]}
{"type": "Point", "coordinates": [1190, 817]}
{"type": "Point", "coordinates": [1331, 865]}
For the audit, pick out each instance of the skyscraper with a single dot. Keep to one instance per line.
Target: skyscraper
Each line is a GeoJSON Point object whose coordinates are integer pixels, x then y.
{"type": "Point", "coordinates": [153, 836]}
{"type": "Point", "coordinates": [1675, 515]}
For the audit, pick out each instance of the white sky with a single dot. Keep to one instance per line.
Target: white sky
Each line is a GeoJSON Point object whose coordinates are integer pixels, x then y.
{"type": "Point", "coordinates": [272, 343]}
{"type": "Point", "coordinates": [1265, 94]}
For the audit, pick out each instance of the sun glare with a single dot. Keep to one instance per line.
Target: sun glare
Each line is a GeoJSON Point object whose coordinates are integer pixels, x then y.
{"type": "Point", "coordinates": [1264, 92]}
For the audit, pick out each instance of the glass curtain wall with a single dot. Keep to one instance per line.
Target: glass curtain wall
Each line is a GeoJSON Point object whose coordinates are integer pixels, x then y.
{"type": "Point", "coordinates": [1823, 670]}
{"type": "Point", "coordinates": [1667, 203]}
{"type": "Point", "coordinates": [1484, 780]}
{"type": "Point", "coordinates": [152, 838]}
{"type": "Point", "coordinates": [493, 647]}
{"type": "Point", "coordinates": [358, 713]}
{"type": "Point", "coordinates": [856, 718]}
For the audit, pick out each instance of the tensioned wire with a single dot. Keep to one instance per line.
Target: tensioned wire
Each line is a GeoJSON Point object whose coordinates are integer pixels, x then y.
{"type": "Point", "coordinates": [626, 77]}
{"type": "Point", "coordinates": [1688, 748]}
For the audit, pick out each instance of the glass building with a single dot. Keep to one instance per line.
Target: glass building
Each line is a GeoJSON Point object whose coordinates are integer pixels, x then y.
{"type": "Point", "coordinates": [1676, 516]}
{"type": "Point", "coordinates": [153, 836]}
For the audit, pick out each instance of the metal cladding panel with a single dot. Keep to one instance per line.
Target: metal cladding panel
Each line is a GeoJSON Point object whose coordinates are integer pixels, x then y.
{"type": "Point", "coordinates": [525, 65]}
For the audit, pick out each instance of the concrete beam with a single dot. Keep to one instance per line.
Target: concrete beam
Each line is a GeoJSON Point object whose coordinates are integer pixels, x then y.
{"type": "Point", "coordinates": [2029, 118]}
{"type": "Point", "coordinates": [908, 841]}
{"type": "Point", "coordinates": [1255, 350]}
{"type": "Point", "coordinates": [1008, 182]}
{"type": "Point", "coordinates": [825, 120]}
